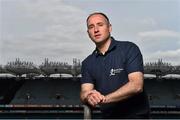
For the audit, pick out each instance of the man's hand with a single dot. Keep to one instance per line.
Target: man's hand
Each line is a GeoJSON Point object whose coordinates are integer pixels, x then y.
{"type": "Point", "coordinates": [94, 98]}
{"type": "Point", "coordinates": [89, 95]}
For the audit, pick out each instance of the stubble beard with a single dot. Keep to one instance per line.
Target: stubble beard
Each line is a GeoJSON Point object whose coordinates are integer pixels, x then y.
{"type": "Point", "coordinates": [101, 42]}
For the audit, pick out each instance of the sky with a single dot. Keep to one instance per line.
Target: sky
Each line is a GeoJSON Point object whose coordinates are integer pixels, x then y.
{"type": "Point", "coordinates": [33, 30]}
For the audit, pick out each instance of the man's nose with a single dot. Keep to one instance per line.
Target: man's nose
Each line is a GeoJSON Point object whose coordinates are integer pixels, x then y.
{"type": "Point", "coordinates": [96, 29]}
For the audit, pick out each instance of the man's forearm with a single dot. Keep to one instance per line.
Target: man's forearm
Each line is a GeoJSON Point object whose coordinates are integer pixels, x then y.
{"type": "Point", "coordinates": [123, 93]}
{"type": "Point", "coordinates": [133, 87]}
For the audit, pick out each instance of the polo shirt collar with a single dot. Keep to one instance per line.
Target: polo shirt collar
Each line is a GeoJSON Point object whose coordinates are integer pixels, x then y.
{"type": "Point", "coordinates": [111, 47]}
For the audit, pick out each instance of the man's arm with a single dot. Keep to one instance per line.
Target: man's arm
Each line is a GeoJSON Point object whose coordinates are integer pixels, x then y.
{"type": "Point", "coordinates": [86, 89]}
{"type": "Point", "coordinates": [133, 87]}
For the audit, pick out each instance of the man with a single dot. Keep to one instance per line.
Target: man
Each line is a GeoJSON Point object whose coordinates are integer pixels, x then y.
{"type": "Point", "coordinates": [112, 76]}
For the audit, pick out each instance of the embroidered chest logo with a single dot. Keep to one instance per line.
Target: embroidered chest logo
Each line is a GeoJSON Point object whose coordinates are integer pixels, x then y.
{"type": "Point", "coordinates": [115, 71]}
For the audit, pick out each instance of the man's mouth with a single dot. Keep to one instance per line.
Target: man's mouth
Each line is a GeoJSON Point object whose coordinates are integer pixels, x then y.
{"type": "Point", "coordinates": [97, 36]}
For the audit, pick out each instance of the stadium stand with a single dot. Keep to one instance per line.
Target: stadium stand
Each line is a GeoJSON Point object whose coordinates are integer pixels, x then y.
{"type": "Point", "coordinates": [52, 90]}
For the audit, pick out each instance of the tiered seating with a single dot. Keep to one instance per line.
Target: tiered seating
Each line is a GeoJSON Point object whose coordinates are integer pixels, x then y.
{"type": "Point", "coordinates": [66, 91]}
{"type": "Point", "coordinates": [163, 92]}
{"type": "Point", "coordinates": [55, 91]}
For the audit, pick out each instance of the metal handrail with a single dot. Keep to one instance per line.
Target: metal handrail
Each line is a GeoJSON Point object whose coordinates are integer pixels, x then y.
{"type": "Point", "coordinates": [87, 112]}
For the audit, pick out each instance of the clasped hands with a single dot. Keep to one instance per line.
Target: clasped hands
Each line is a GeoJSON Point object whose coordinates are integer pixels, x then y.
{"type": "Point", "coordinates": [94, 98]}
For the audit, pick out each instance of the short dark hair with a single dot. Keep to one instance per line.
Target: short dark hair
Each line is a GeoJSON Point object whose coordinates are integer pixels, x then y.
{"type": "Point", "coordinates": [100, 13]}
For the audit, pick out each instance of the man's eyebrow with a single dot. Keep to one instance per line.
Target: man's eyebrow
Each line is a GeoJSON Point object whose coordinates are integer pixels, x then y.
{"type": "Point", "coordinates": [97, 23]}
{"type": "Point", "coordinates": [100, 23]}
{"type": "Point", "coordinates": [90, 25]}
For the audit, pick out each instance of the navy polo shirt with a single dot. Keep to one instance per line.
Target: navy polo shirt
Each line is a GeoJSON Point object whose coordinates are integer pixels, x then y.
{"type": "Point", "coordinates": [110, 71]}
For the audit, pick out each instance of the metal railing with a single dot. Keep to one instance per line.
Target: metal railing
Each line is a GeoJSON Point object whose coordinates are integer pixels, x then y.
{"type": "Point", "coordinates": [87, 112]}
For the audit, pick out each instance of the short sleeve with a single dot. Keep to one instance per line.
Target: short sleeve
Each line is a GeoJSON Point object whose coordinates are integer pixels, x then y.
{"type": "Point", "coordinates": [86, 77]}
{"type": "Point", "coordinates": [134, 60]}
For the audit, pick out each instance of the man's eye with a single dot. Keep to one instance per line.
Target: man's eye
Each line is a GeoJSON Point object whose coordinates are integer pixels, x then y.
{"type": "Point", "coordinates": [90, 27]}
{"type": "Point", "coordinates": [100, 24]}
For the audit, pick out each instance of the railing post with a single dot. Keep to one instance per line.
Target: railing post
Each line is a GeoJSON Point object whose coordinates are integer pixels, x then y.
{"type": "Point", "coordinates": [87, 112]}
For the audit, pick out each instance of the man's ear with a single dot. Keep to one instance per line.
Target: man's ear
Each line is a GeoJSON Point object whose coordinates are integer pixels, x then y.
{"type": "Point", "coordinates": [110, 28]}
{"type": "Point", "coordinates": [88, 34]}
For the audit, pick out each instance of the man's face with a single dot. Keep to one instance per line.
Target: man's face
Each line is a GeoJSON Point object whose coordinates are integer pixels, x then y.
{"type": "Point", "coordinates": [98, 28]}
